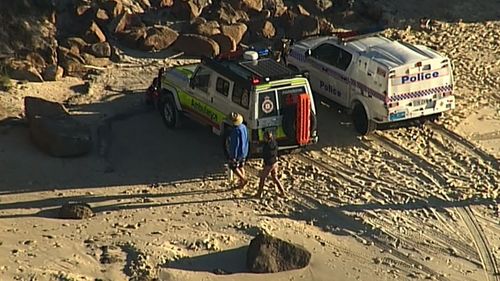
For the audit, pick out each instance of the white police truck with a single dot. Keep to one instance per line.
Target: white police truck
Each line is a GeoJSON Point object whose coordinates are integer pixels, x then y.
{"type": "Point", "coordinates": [379, 79]}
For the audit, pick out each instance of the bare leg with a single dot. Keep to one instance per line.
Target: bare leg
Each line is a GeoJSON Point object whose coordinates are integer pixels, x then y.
{"type": "Point", "coordinates": [274, 176]}
{"type": "Point", "coordinates": [241, 175]}
{"type": "Point", "coordinates": [263, 176]}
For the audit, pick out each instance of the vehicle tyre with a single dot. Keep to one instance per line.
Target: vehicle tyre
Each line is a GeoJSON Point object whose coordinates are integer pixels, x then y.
{"type": "Point", "coordinates": [225, 141]}
{"type": "Point", "coordinates": [361, 122]}
{"type": "Point", "coordinates": [289, 121]}
{"type": "Point", "coordinates": [169, 112]}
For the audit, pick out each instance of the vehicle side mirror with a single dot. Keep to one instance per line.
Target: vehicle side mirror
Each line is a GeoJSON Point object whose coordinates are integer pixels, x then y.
{"type": "Point", "coordinates": [193, 82]}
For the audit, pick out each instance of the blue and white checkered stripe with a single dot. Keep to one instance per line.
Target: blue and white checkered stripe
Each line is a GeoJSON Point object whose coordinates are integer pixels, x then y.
{"type": "Point", "coordinates": [423, 93]}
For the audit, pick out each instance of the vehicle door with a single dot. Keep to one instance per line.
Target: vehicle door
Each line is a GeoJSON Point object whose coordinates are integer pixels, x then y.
{"type": "Point", "coordinates": [220, 98]}
{"type": "Point", "coordinates": [201, 88]}
{"type": "Point", "coordinates": [331, 63]}
{"type": "Point", "coordinates": [320, 80]}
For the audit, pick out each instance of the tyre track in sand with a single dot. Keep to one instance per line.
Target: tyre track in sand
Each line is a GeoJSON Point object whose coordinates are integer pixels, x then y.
{"type": "Point", "coordinates": [377, 239]}
{"type": "Point", "coordinates": [480, 241]}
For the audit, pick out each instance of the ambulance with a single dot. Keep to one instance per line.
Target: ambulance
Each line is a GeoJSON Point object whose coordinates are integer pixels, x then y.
{"type": "Point", "coordinates": [378, 79]}
{"type": "Point", "coordinates": [269, 95]}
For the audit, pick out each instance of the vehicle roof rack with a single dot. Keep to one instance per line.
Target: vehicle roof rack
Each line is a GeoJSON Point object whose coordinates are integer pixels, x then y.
{"type": "Point", "coordinates": [234, 66]}
{"type": "Point", "coordinates": [348, 36]}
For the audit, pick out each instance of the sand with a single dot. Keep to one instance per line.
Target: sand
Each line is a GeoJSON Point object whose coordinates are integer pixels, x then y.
{"type": "Point", "coordinates": [414, 203]}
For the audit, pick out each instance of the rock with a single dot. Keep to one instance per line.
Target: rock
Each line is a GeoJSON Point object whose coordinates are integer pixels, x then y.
{"type": "Point", "coordinates": [248, 5]}
{"type": "Point", "coordinates": [208, 28]}
{"type": "Point", "coordinates": [113, 7]}
{"type": "Point", "coordinates": [267, 254]}
{"type": "Point", "coordinates": [37, 61]}
{"type": "Point", "coordinates": [225, 13]}
{"type": "Point", "coordinates": [235, 32]}
{"type": "Point", "coordinates": [196, 45]}
{"type": "Point", "coordinates": [318, 6]}
{"type": "Point", "coordinates": [165, 3]}
{"type": "Point", "coordinates": [75, 210]}
{"type": "Point", "coordinates": [23, 70]}
{"type": "Point", "coordinates": [53, 73]}
{"type": "Point", "coordinates": [72, 63]}
{"type": "Point", "coordinates": [82, 10]}
{"type": "Point", "coordinates": [75, 43]}
{"type": "Point", "coordinates": [277, 7]}
{"type": "Point", "coordinates": [132, 37]}
{"type": "Point", "coordinates": [102, 15]}
{"type": "Point", "coordinates": [94, 61]}
{"type": "Point", "coordinates": [94, 34]}
{"type": "Point", "coordinates": [226, 44]}
{"type": "Point", "coordinates": [187, 9]}
{"type": "Point", "coordinates": [305, 26]}
{"type": "Point", "coordinates": [326, 27]}
{"type": "Point", "coordinates": [145, 4]}
{"type": "Point", "coordinates": [100, 50]}
{"type": "Point", "coordinates": [268, 31]}
{"type": "Point", "coordinates": [119, 23]}
{"type": "Point", "coordinates": [302, 11]}
{"type": "Point", "coordinates": [34, 106]}
{"type": "Point", "coordinates": [60, 136]}
{"type": "Point", "coordinates": [54, 130]}
{"type": "Point", "coordinates": [159, 38]}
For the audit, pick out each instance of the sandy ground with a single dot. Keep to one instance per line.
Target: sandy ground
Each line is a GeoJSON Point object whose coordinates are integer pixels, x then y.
{"type": "Point", "coordinates": [410, 203]}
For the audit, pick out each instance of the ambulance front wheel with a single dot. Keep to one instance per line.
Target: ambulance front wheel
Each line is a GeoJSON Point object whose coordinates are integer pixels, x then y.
{"type": "Point", "coordinates": [170, 114]}
{"type": "Point", "coordinates": [361, 122]}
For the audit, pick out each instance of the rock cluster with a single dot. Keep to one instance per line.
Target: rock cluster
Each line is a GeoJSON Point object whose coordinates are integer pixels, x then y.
{"type": "Point", "coordinates": [82, 33]}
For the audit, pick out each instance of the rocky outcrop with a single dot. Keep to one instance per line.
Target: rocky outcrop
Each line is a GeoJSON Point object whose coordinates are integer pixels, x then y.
{"type": "Point", "coordinates": [54, 131]}
{"type": "Point", "coordinates": [267, 254]}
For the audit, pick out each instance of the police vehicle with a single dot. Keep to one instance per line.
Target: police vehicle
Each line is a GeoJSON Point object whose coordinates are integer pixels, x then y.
{"type": "Point", "coordinates": [269, 95]}
{"type": "Point", "coordinates": [379, 79]}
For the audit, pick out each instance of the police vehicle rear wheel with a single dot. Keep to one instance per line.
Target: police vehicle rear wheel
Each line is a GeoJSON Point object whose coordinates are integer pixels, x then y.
{"type": "Point", "coordinates": [361, 122]}
{"type": "Point", "coordinates": [169, 113]}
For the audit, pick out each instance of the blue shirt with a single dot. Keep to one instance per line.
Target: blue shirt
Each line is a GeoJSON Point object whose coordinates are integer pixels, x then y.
{"type": "Point", "coordinates": [238, 143]}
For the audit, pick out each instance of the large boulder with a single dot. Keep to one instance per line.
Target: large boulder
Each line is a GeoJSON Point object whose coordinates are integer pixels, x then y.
{"type": "Point", "coordinates": [159, 38]}
{"type": "Point", "coordinates": [225, 13]}
{"type": "Point", "coordinates": [196, 45]}
{"type": "Point", "coordinates": [188, 9]}
{"type": "Point", "coordinates": [94, 34]}
{"type": "Point", "coordinates": [248, 5]}
{"type": "Point", "coordinates": [226, 44]}
{"type": "Point", "coordinates": [54, 131]}
{"type": "Point", "coordinates": [53, 72]}
{"type": "Point", "coordinates": [133, 37]}
{"type": "Point", "coordinates": [318, 6]}
{"type": "Point", "coordinates": [100, 50]}
{"type": "Point", "coordinates": [23, 70]}
{"type": "Point", "coordinates": [267, 254]}
{"type": "Point", "coordinates": [276, 7]}
{"type": "Point", "coordinates": [113, 7]}
{"type": "Point", "coordinates": [234, 31]}
{"type": "Point", "coordinates": [34, 106]}
{"type": "Point", "coordinates": [119, 23]}
{"type": "Point", "coordinates": [208, 28]}
{"type": "Point", "coordinates": [75, 210]}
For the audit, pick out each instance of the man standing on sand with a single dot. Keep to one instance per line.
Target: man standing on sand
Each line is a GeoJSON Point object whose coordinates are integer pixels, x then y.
{"type": "Point", "coordinates": [238, 148]}
{"type": "Point", "coordinates": [270, 156]}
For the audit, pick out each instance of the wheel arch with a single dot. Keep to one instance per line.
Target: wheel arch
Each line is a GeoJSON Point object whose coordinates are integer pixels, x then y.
{"type": "Point", "coordinates": [169, 91]}
{"type": "Point", "coordinates": [356, 102]}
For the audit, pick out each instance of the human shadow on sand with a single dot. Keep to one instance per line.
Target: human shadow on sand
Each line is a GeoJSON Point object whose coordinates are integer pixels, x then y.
{"type": "Point", "coordinates": [132, 147]}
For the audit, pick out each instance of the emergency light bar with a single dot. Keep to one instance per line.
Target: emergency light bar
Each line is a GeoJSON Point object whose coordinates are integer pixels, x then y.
{"type": "Point", "coordinates": [346, 36]}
